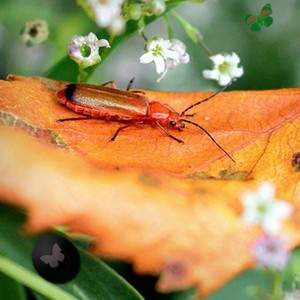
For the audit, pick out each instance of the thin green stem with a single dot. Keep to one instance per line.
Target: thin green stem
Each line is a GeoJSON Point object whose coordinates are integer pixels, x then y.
{"type": "Point", "coordinates": [192, 32]}
{"type": "Point", "coordinates": [33, 281]}
{"type": "Point", "coordinates": [143, 36]}
{"type": "Point", "coordinates": [169, 27]}
{"type": "Point", "coordinates": [204, 46]}
{"type": "Point", "coordinates": [83, 75]}
{"type": "Point", "coordinates": [276, 283]}
{"type": "Point", "coordinates": [105, 51]}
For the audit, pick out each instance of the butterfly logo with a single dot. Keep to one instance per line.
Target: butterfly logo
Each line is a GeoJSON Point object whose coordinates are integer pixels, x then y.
{"type": "Point", "coordinates": [264, 19]}
{"type": "Point", "coordinates": [53, 259]}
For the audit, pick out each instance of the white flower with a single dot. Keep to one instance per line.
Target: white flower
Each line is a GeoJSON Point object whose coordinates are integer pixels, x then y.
{"type": "Point", "coordinates": [34, 32]}
{"type": "Point", "coordinates": [225, 68]}
{"type": "Point", "coordinates": [158, 51]}
{"type": "Point", "coordinates": [106, 11]}
{"type": "Point", "coordinates": [183, 57]}
{"type": "Point", "coordinates": [271, 252]}
{"type": "Point", "coordinates": [166, 54]}
{"type": "Point", "coordinates": [262, 207]}
{"type": "Point", "coordinates": [85, 49]}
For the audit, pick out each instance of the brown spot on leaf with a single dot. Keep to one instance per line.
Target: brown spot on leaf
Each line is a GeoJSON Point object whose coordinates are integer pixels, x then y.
{"type": "Point", "coordinates": [233, 174]}
{"type": "Point", "coordinates": [201, 175]}
{"type": "Point", "coordinates": [296, 161]}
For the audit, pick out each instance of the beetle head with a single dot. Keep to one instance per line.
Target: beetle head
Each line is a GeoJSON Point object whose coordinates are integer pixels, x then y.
{"type": "Point", "coordinates": [175, 121]}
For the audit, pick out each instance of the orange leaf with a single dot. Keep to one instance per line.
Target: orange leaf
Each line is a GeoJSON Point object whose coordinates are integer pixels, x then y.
{"type": "Point", "coordinates": [166, 207]}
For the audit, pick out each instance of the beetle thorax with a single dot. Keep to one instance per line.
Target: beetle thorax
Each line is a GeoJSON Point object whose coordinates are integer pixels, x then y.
{"type": "Point", "coordinates": [165, 115]}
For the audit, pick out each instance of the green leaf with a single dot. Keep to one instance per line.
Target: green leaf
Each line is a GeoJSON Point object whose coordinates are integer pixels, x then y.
{"type": "Point", "coordinates": [255, 26]}
{"type": "Point", "coordinates": [268, 21]}
{"type": "Point", "coordinates": [67, 70]}
{"type": "Point", "coordinates": [11, 289]}
{"type": "Point", "coordinates": [94, 281]}
{"type": "Point", "coordinates": [260, 20]}
{"type": "Point", "coordinates": [267, 7]}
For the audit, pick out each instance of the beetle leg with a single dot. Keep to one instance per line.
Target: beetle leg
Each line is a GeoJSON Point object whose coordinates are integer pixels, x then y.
{"type": "Point", "coordinates": [130, 84]}
{"type": "Point", "coordinates": [74, 119]}
{"type": "Point", "coordinates": [119, 129]}
{"type": "Point", "coordinates": [111, 83]}
{"type": "Point", "coordinates": [167, 133]}
{"type": "Point", "coordinates": [138, 92]}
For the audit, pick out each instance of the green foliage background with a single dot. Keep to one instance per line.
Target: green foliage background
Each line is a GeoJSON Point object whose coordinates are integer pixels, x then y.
{"type": "Point", "coordinates": [270, 57]}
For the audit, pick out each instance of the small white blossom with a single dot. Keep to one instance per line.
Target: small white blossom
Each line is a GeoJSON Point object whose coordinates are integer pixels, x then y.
{"type": "Point", "coordinates": [225, 68]}
{"type": "Point", "coordinates": [158, 51]}
{"type": "Point", "coordinates": [85, 49]}
{"type": "Point", "coordinates": [262, 207]}
{"type": "Point", "coordinates": [34, 32]}
{"type": "Point", "coordinates": [166, 54]}
{"type": "Point", "coordinates": [183, 57]}
{"type": "Point", "coordinates": [106, 11]}
{"type": "Point", "coordinates": [271, 252]}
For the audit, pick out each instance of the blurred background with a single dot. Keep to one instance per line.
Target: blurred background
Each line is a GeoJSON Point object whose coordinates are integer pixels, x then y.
{"type": "Point", "coordinates": [270, 58]}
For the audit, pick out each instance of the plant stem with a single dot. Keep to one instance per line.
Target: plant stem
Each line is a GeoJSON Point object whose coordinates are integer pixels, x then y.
{"type": "Point", "coordinates": [33, 281]}
{"type": "Point", "coordinates": [192, 32]}
{"type": "Point", "coordinates": [169, 27]}
{"type": "Point", "coordinates": [143, 36]}
{"type": "Point", "coordinates": [83, 75]}
{"type": "Point", "coordinates": [111, 40]}
{"type": "Point", "coordinates": [204, 46]}
{"type": "Point", "coordinates": [276, 284]}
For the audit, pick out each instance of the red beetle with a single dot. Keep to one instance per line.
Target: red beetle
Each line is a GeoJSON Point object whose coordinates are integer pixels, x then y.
{"type": "Point", "coordinates": [129, 107]}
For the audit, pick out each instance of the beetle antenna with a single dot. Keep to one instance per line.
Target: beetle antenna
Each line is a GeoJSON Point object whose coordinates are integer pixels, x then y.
{"type": "Point", "coordinates": [130, 84]}
{"type": "Point", "coordinates": [208, 98]}
{"type": "Point", "coordinates": [207, 133]}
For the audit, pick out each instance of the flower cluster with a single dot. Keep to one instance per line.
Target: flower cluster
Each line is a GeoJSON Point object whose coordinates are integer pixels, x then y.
{"type": "Point", "coordinates": [262, 208]}
{"type": "Point", "coordinates": [166, 54]}
{"type": "Point", "coordinates": [113, 14]}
